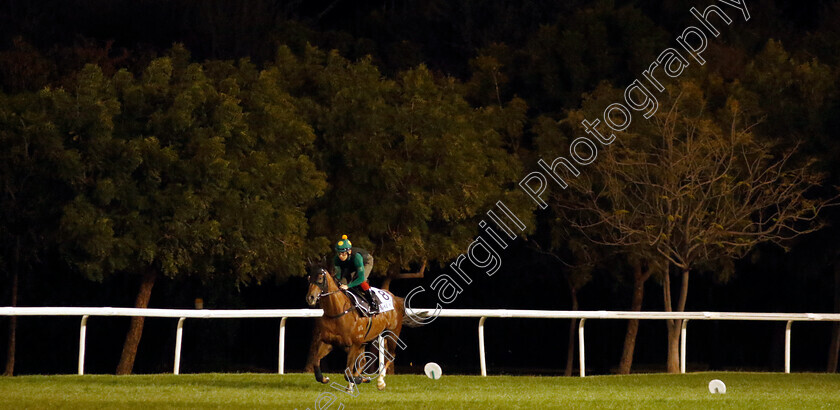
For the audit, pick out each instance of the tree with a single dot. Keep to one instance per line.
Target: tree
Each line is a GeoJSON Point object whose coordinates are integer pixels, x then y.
{"type": "Point", "coordinates": [32, 165]}
{"type": "Point", "coordinates": [796, 98]}
{"type": "Point", "coordinates": [644, 266]}
{"type": "Point", "coordinates": [553, 138]}
{"type": "Point", "coordinates": [273, 182]}
{"type": "Point", "coordinates": [593, 43]}
{"type": "Point", "coordinates": [24, 68]}
{"type": "Point", "coordinates": [412, 166]}
{"type": "Point", "coordinates": [700, 189]}
{"type": "Point", "coordinates": [185, 174]}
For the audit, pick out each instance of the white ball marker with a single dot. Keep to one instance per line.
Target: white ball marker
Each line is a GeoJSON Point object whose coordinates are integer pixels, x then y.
{"type": "Point", "coordinates": [433, 370]}
{"type": "Point", "coordinates": [717, 386]}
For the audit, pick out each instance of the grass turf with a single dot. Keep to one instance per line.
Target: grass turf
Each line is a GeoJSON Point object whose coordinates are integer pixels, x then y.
{"type": "Point", "coordinates": [300, 391]}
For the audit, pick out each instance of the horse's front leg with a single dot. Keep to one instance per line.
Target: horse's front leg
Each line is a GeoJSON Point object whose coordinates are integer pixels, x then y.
{"type": "Point", "coordinates": [317, 351]}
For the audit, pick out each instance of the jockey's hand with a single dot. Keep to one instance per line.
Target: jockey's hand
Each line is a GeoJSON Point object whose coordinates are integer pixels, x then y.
{"type": "Point", "coordinates": [343, 287]}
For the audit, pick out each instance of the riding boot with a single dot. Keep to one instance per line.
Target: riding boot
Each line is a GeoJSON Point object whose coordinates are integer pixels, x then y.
{"type": "Point", "coordinates": [374, 302]}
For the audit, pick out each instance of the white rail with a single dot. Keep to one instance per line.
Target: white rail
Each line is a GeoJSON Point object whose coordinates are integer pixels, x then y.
{"type": "Point", "coordinates": [180, 314]}
{"type": "Point", "coordinates": [173, 313]}
{"type": "Point", "coordinates": [482, 314]}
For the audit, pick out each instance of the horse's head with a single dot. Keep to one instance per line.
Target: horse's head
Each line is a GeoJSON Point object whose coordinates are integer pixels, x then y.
{"type": "Point", "coordinates": [321, 283]}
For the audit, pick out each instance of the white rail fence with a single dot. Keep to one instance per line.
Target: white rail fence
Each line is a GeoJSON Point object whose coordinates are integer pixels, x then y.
{"type": "Point", "coordinates": [482, 314]}
{"type": "Point", "coordinates": [180, 314]}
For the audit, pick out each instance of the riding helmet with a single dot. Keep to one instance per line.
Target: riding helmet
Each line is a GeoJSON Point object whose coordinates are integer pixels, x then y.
{"type": "Point", "coordinates": [343, 245]}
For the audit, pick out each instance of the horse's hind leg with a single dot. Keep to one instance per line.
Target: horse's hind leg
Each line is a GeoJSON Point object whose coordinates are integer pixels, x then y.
{"type": "Point", "coordinates": [317, 351]}
{"type": "Point", "coordinates": [391, 348]}
{"type": "Point", "coordinates": [353, 372]}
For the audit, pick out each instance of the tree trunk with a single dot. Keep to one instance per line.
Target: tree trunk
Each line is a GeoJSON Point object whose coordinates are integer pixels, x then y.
{"type": "Point", "coordinates": [10, 352]}
{"type": "Point", "coordinates": [12, 342]}
{"type": "Point", "coordinates": [386, 284]}
{"type": "Point", "coordinates": [834, 346]}
{"type": "Point", "coordinates": [395, 273]}
{"type": "Point", "coordinates": [135, 329]}
{"type": "Point", "coordinates": [674, 345]}
{"type": "Point", "coordinates": [675, 325]}
{"type": "Point", "coordinates": [639, 279]}
{"type": "Point", "coordinates": [570, 357]}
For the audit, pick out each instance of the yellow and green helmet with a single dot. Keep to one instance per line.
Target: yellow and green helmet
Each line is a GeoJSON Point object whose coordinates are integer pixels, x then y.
{"type": "Point", "coordinates": [343, 245]}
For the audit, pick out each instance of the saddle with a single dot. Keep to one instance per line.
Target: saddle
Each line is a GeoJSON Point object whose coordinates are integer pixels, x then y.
{"type": "Point", "coordinates": [383, 298]}
{"type": "Point", "coordinates": [362, 305]}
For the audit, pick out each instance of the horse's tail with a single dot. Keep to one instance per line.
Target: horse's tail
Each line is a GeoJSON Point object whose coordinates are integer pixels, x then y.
{"type": "Point", "coordinates": [409, 317]}
{"type": "Point", "coordinates": [412, 319]}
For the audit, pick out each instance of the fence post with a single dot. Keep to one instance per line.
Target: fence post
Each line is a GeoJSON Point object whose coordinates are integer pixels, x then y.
{"type": "Point", "coordinates": [178, 336]}
{"type": "Point", "coordinates": [281, 357]}
{"type": "Point", "coordinates": [787, 346]}
{"type": "Point", "coordinates": [581, 347]}
{"type": "Point", "coordinates": [481, 345]}
{"type": "Point", "coordinates": [381, 348]}
{"type": "Point", "coordinates": [82, 335]}
{"type": "Point", "coordinates": [682, 346]}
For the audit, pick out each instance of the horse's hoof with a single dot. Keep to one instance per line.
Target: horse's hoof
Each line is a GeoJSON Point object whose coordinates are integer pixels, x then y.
{"type": "Point", "coordinates": [365, 379]}
{"type": "Point", "coordinates": [380, 384]}
{"type": "Point", "coordinates": [326, 380]}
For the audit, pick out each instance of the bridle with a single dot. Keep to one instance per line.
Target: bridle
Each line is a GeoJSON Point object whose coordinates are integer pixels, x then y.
{"type": "Point", "coordinates": [321, 282]}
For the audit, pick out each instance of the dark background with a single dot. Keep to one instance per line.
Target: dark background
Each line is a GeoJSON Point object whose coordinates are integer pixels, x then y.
{"type": "Point", "coordinates": [443, 35]}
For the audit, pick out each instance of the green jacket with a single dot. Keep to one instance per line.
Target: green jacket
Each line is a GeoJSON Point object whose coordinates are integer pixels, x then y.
{"type": "Point", "coordinates": [354, 264]}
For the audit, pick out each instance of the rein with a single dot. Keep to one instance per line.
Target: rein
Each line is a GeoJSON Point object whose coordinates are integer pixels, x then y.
{"type": "Point", "coordinates": [323, 293]}
{"type": "Point", "coordinates": [350, 309]}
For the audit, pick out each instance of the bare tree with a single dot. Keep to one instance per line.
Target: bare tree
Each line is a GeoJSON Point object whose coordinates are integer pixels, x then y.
{"type": "Point", "coordinates": [697, 188]}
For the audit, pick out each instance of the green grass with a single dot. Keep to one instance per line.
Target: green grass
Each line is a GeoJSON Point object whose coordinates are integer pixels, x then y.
{"type": "Point", "coordinates": [751, 390]}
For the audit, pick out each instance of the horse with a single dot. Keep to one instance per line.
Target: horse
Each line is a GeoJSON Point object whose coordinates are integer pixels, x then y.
{"type": "Point", "coordinates": [341, 325]}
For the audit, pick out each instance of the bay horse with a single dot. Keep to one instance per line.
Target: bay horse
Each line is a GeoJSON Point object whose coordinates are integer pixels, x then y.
{"type": "Point", "coordinates": [343, 326]}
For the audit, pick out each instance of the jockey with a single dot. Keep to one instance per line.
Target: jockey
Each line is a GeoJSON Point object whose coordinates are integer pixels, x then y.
{"type": "Point", "coordinates": [355, 264]}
